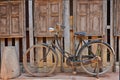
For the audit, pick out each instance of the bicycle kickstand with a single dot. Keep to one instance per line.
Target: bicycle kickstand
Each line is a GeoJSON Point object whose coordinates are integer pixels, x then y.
{"type": "Point", "coordinates": [74, 69]}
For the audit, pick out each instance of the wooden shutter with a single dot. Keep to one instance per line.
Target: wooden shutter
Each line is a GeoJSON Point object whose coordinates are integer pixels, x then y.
{"type": "Point", "coordinates": [89, 16]}
{"type": "Point", "coordinates": [117, 17]}
{"type": "Point", "coordinates": [41, 17]}
{"type": "Point", "coordinates": [12, 18]}
{"type": "Point", "coordinates": [4, 19]}
{"type": "Point", "coordinates": [16, 18]}
{"type": "Point", "coordinates": [47, 13]}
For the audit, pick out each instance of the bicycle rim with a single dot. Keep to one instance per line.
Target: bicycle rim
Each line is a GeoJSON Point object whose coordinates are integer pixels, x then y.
{"type": "Point", "coordinates": [40, 60]}
{"type": "Point", "coordinates": [99, 49]}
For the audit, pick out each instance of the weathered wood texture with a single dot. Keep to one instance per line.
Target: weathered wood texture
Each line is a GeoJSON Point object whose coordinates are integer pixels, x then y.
{"type": "Point", "coordinates": [88, 16]}
{"type": "Point", "coordinates": [117, 18]}
{"type": "Point", "coordinates": [46, 14]}
{"type": "Point", "coordinates": [12, 18]}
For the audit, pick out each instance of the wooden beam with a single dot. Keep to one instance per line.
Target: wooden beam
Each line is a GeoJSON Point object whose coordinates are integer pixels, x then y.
{"type": "Point", "coordinates": [66, 23]}
{"type": "Point", "coordinates": [17, 47]}
{"type": "Point", "coordinates": [31, 30]}
{"type": "Point", "coordinates": [24, 38]}
{"type": "Point", "coordinates": [105, 19]}
{"type": "Point", "coordinates": [2, 46]}
{"type": "Point", "coordinates": [111, 24]}
{"type": "Point", "coordinates": [113, 40]}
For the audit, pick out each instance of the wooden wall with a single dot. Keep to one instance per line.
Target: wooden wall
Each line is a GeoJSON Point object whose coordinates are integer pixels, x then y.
{"type": "Point", "coordinates": [89, 16]}
{"type": "Point", "coordinates": [13, 26]}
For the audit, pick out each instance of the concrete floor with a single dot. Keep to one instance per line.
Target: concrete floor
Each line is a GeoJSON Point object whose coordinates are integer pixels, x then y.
{"type": "Point", "coordinates": [70, 76]}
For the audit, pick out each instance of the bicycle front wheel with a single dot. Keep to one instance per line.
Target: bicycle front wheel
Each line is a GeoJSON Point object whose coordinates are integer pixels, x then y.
{"type": "Point", "coordinates": [101, 50]}
{"type": "Point", "coordinates": [40, 60]}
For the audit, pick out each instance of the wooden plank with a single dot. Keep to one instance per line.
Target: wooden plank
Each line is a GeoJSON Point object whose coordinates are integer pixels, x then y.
{"type": "Point", "coordinates": [31, 30]}
{"type": "Point", "coordinates": [60, 59]}
{"type": "Point", "coordinates": [39, 52]}
{"type": "Point", "coordinates": [2, 46]}
{"type": "Point", "coordinates": [104, 17]}
{"type": "Point", "coordinates": [74, 15]}
{"type": "Point", "coordinates": [111, 24]}
{"type": "Point", "coordinates": [119, 52]}
{"type": "Point", "coordinates": [115, 48]}
{"type": "Point", "coordinates": [17, 47]}
{"type": "Point", "coordinates": [66, 23]}
{"type": "Point", "coordinates": [24, 33]}
{"type": "Point", "coordinates": [50, 57]}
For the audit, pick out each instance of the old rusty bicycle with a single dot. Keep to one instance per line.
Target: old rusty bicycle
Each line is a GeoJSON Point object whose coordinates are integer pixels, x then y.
{"type": "Point", "coordinates": [95, 57]}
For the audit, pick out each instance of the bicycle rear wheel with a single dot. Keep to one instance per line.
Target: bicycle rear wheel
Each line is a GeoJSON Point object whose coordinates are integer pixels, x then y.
{"type": "Point", "coordinates": [42, 62]}
{"type": "Point", "coordinates": [101, 50]}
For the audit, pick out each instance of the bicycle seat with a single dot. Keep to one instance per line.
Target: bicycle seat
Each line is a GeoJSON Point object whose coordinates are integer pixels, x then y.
{"type": "Point", "coordinates": [80, 33]}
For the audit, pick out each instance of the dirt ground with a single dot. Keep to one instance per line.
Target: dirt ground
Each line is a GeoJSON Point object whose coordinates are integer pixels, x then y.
{"type": "Point", "coordinates": [70, 76]}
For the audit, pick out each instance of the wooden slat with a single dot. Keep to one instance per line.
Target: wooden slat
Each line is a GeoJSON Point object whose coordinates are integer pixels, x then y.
{"type": "Point", "coordinates": [104, 16]}
{"type": "Point", "coordinates": [2, 46]}
{"type": "Point", "coordinates": [59, 56]}
{"type": "Point", "coordinates": [67, 26]}
{"type": "Point", "coordinates": [17, 47]}
{"type": "Point", "coordinates": [111, 23]}
{"type": "Point", "coordinates": [119, 52]}
{"type": "Point", "coordinates": [39, 52]}
{"type": "Point", "coordinates": [50, 57]}
{"type": "Point", "coordinates": [24, 45]}
{"type": "Point", "coordinates": [31, 30]}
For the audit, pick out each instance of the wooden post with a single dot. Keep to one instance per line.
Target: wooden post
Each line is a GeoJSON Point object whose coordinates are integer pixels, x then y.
{"type": "Point", "coordinates": [2, 46]}
{"type": "Point", "coordinates": [17, 47]}
{"type": "Point", "coordinates": [66, 16]}
{"type": "Point", "coordinates": [105, 19]}
{"type": "Point", "coordinates": [113, 40]}
{"type": "Point", "coordinates": [24, 38]}
{"type": "Point", "coordinates": [31, 30]}
{"type": "Point", "coordinates": [111, 24]}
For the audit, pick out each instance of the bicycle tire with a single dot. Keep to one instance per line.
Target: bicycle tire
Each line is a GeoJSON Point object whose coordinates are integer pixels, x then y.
{"type": "Point", "coordinates": [45, 65]}
{"type": "Point", "coordinates": [107, 58]}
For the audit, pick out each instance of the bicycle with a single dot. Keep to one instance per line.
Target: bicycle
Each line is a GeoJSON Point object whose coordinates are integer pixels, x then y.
{"type": "Point", "coordinates": [96, 57]}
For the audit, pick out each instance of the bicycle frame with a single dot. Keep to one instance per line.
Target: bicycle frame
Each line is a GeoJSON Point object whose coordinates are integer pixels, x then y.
{"type": "Point", "coordinates": [66, 54]}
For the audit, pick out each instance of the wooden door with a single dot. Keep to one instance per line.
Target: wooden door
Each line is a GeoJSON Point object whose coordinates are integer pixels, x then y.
{"type": "Point", "coordinates": [47, 13]}
{"type": "Point", "coordinates": [12, 18]}
{"type": "Point", "coordinates": [16, 18]}
{"type": "Point", "coordinates": [117, 18]}
{"type": "Point", "coordinates": [4, 19]}
{"type": "Point", "coordinates": [89, 17]}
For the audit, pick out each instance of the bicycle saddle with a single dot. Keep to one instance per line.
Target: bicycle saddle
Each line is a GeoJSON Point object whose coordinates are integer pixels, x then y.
{"type": "Point", "coordinates": [80, 33]}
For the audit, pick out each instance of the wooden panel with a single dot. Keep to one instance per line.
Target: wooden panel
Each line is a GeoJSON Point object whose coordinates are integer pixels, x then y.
{"type": "Point", "coordinates": [117, 28]}
{"type": "Point", "coordinates": [88, 16]}
{"type": "Point", "coordinates": [41, 17]}
{"type": "Point", "coordinates": [16, 18]}
{"type": "Point", "coordinates": [12, 18]}
{"type": "Point", "coordinates": [47, 14]}
{"type": "Point", "coordinates": [82, 16]}
{"type": "Point", "coordinates": [4, 23]}
{"type": "Point", "coordinates": [96, 18]}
